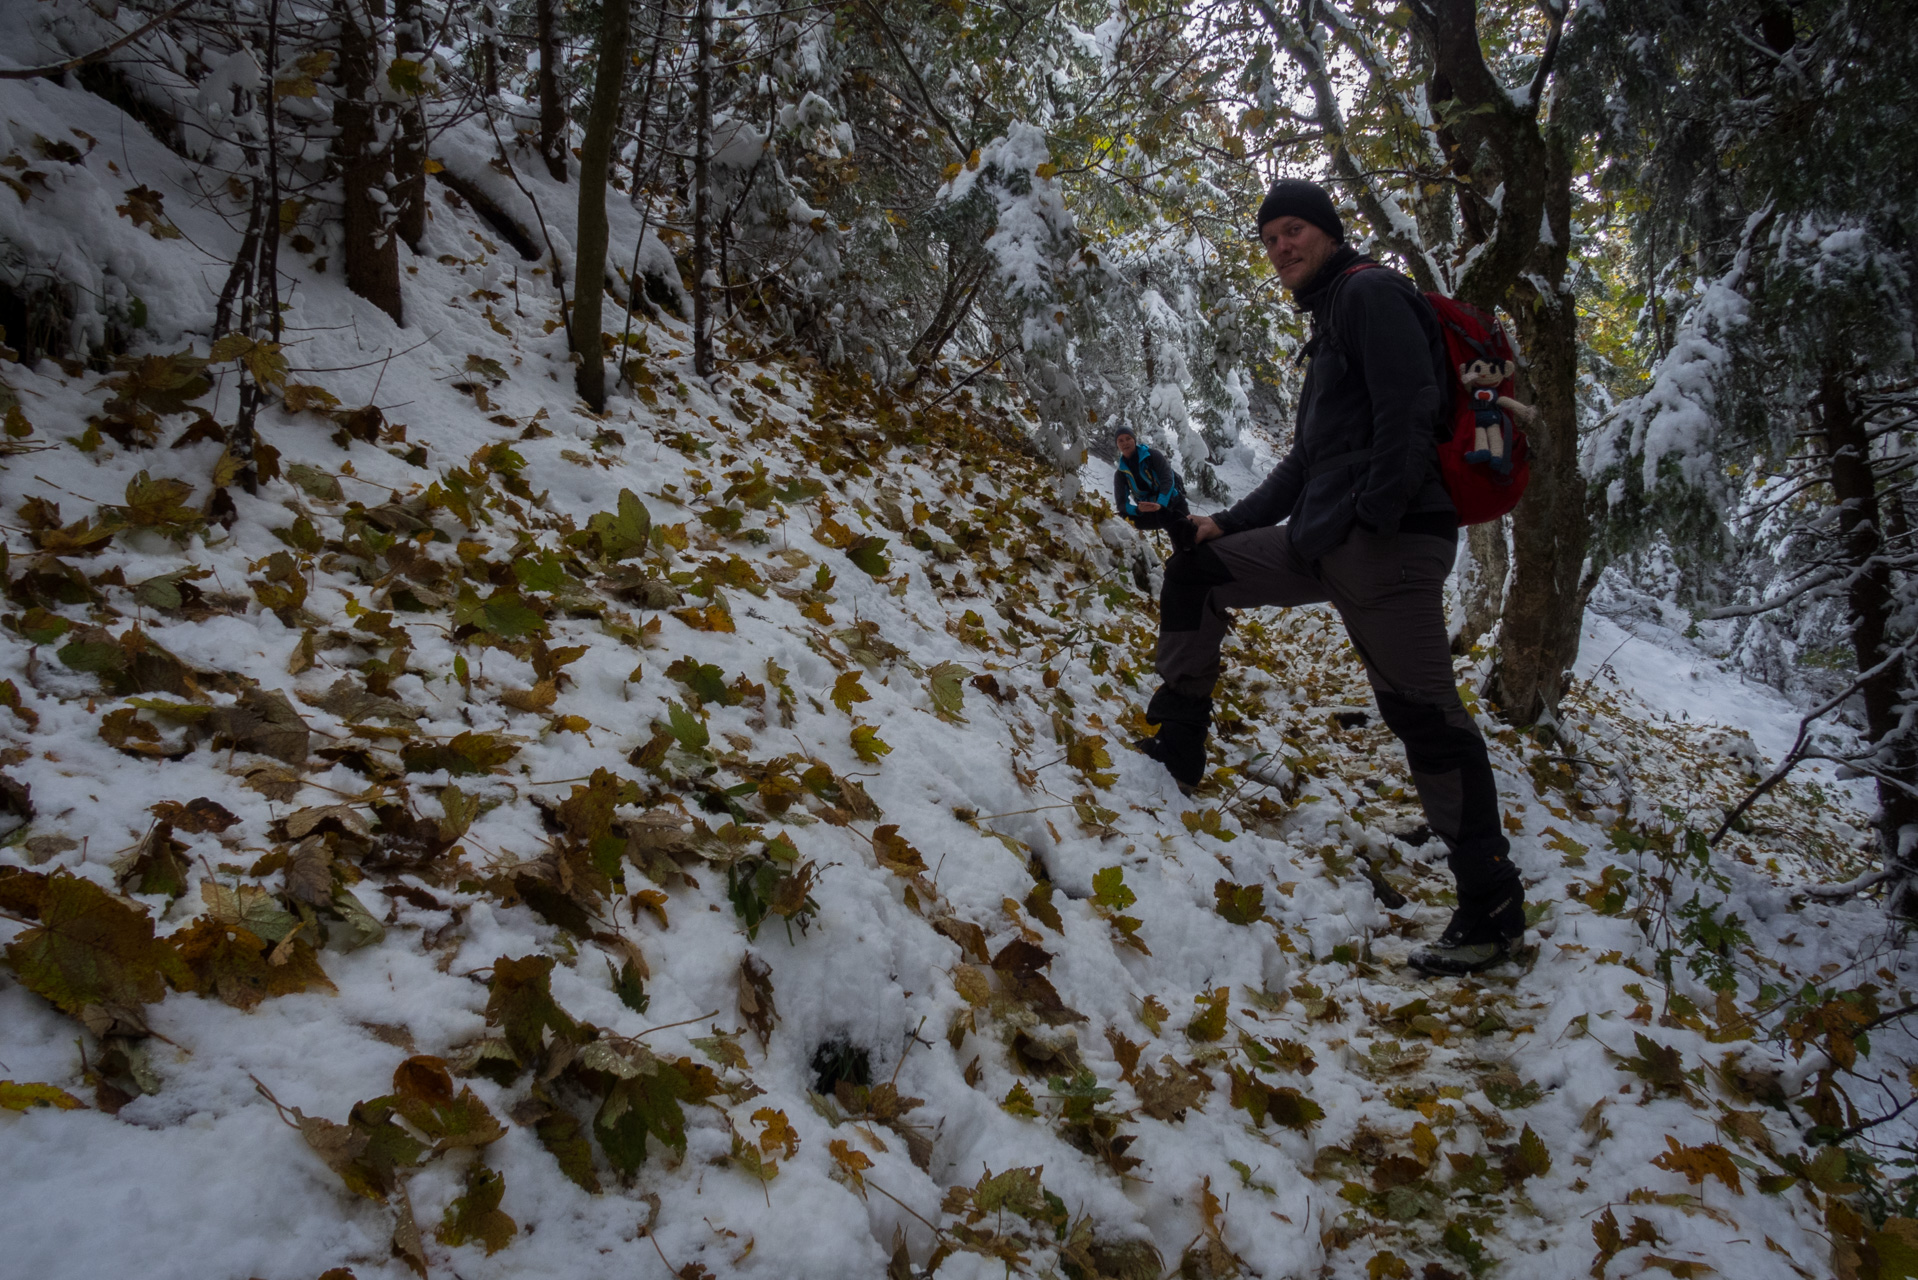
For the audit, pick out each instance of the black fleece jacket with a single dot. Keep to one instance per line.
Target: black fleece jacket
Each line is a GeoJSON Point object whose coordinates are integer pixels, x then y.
{"type": "Point", "coordinates": [1365, 448]}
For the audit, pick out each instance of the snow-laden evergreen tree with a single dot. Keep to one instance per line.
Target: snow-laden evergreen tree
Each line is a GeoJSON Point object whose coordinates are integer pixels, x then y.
{"type": "Point", "coordinates": [1772, 457]}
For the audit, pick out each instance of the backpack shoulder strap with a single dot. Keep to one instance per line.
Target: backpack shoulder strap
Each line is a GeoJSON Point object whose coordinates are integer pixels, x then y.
{"type": "Point", "coordinates": [1326, 334]}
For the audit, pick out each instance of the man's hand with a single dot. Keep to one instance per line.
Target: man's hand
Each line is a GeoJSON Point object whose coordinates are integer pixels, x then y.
{"type": "Point", "coordinates": [1148, 506]}
{"type": "Point", "coordinates": [1204, 529]}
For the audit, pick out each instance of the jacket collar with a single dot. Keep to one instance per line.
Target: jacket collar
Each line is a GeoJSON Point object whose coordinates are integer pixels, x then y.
{"type": "Point", "coordinates": [1319, 288]}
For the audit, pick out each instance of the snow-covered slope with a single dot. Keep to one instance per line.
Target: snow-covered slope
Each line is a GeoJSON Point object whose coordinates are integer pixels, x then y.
{"type": "Point", "coordinates": [703, 839]}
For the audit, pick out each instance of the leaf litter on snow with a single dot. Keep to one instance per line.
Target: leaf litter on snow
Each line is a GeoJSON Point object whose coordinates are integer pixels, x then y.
{"type": "Point", "coordinates": [522, 834]}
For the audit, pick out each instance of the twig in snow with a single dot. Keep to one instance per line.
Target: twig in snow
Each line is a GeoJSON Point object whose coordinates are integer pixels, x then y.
{"type": "Point", "coordinates": [669, 1025]}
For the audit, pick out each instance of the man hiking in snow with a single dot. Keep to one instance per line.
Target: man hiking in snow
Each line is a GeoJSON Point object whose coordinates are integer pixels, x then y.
{"type": "Point", "coordinates": [1147, 491]}
{"type": "Point", "coordinates": [1357, 515]}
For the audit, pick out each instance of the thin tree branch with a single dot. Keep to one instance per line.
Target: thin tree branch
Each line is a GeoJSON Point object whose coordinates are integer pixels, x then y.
{"type": "Point", "coordinates": [1779, 602]}
{"type": "Point", "coordinates": [1555, 14]}
{"type": "Point", "coordinates": [1798, 750]}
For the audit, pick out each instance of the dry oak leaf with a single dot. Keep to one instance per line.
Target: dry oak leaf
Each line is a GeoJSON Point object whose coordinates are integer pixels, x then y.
{"type": "Point", "coordinates": [538, 698]}
{"type": "Point", "coordinates": [900, 858]}
{"type": "Point", "coordinates": [264, 721]}
{"type": "Point", "coordinates": [522, 1006]}
{"type": "Point", "coordinates": [20, 1097]}
{"type": "Point", "coordinates": [970, 937]}
{"type": "Point", "coordinates": [232, 962]}
{"type": "Point", "coordinates": [850, 1163]}
{"type": "Point", "coordinates": [302, 823]}
{"type": "Point", "coordinates": [351, 701]}
{"type": "Point", "coordinates": [1167, 1096]}
{"type": "Point", "coordinates": [475, 1218]}
{"type": "Point", "coordinates": [309, 872]}
{"type": "Point", "coordinates": [196, 816]}
{"type": "Point", "coordinates": [1700, 1162]}
{"type": "Point", "coordinates": [250, 907]}
{"type": "Point", "coordinates": [756, 997]}
{"type": "Point", "coordinates": [91, 949]}
{"type": "Point", "coordinates": [368, 1151]}
{"type": "Point", "coordinates": [423, 1095]}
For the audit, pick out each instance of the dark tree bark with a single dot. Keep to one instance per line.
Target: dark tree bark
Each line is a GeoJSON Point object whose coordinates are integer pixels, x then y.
{"type": "Point", "coordinates": [643, 125]}
{"type": "Point", "coordinates": [366, 164]}
{"type": "Point", "coordinates": [964, 278]}
{"type": "Point", "coordinates": [489, 52]}
{"type": "Point", "coordinates": [552, 107]}
{"type": "Point", "coordinates": [1551, 526]}
{"type": "Point", "coordinates": [409, 155]}
{"type": "Point", "coordinates": [703, 281]}
{"type": "Point", "coordinates": [1870, 603]}
{"type": "Point", "coordinates": [1497, 140]}
{"type": "Point", "coordinates": [595, 158]}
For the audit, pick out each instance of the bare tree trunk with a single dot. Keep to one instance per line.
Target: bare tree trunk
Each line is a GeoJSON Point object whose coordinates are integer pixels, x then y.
{"type": "Point", "coordinates": [1545, 602]}
{"type": "Point", "coordinates": [552, 108]}
{"type": "Point", "coordinates": [703, 282]}
{"type": "Point", "coordinates": [644, 123]}
{"type": "Point", "coordinates": [489, 50]}
{"type": "Point", "coordinates": [409, 153]}
{"type": "Point", "coordinates": [1482, 581]}
{"type": "Point", "coordinates": [1551, 526]}
{"type": "Point", "coordinates": [595, 157]}
{"type": "Point", "coordinates": [1870, 600]}
{"type": "Point", "coordinates": [964, 279]}
{"type": "Point", "coordinates": [1495, 137]}
{"type": "Point", "coordinates": [366, 173]}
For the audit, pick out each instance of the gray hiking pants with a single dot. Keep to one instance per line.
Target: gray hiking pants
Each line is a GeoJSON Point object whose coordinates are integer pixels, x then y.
{"type": "Point", "coordinates": [1389, 590]}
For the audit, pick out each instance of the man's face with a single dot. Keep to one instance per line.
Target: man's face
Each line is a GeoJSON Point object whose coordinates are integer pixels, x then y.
{"type": "Point", "coordinates": [1296, 249]}
{"type": "Point", "coordinates": [1127, 445]}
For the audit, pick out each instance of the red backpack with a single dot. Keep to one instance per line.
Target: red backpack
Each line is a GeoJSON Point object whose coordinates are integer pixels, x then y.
{"type": "Point", "coordinates": [1480, 493]}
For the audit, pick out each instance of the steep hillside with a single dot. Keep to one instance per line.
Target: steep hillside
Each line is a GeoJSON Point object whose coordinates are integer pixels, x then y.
{"type": "Point", "coordinates": [703, 839]}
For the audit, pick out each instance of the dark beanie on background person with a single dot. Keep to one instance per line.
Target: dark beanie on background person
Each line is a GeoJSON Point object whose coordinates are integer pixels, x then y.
{"type": "Point", "coordinates": [1297, 198]}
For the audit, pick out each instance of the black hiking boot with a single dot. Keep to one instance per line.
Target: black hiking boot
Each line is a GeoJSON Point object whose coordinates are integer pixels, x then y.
{"type": "Point", "coordinates": [1489, 923]}
{"type": "Point", "coordinates": [1179, 744]}
{"type": "Point", "coordinates": [1451, 958]}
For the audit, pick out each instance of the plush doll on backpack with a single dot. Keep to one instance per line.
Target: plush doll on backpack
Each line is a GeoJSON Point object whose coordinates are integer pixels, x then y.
{"type": "Point", "coordinates": [1492, 433]}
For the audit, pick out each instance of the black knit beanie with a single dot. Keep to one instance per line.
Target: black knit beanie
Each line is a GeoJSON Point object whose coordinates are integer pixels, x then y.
{"type": "Point", "coordinates": [1297, 198]}
{"type": "Point", "coordinates": [1123, 431]}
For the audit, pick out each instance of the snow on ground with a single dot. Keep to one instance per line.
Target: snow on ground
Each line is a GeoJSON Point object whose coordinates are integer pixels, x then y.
{"type": "Point", "coordinates": [1671, 677]}
{"type": "Point", "coordinates": [705, 836]}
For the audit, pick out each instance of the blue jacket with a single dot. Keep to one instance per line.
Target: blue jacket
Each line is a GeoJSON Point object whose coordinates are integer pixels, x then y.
{"type": "Point", "coordinates": [1146, 477]}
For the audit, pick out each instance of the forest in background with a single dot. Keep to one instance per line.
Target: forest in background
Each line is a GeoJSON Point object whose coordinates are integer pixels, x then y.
{"type": "Point", "coordinates": [1695, 216]}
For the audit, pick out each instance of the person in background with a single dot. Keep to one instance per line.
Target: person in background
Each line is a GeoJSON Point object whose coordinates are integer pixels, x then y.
{"type": "Point", "coordinates": [1148, 492]}
{"type": "Point", "coordinates": [1355, 514]}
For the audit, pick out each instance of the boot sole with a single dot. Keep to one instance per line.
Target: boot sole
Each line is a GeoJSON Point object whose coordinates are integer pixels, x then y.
{"type": "Point", "coordinates": [1440, 969]}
